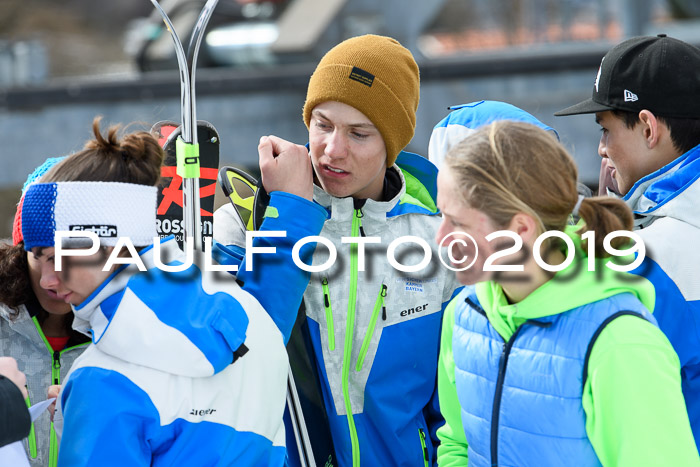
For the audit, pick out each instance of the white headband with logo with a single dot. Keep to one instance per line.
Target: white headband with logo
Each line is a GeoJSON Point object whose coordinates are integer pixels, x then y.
{"type": "Point", "coordinates": [109, 209]}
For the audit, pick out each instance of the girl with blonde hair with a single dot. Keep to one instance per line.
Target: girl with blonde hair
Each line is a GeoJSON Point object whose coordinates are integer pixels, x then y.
{"type": "Point", "coordinates": [553, 357]}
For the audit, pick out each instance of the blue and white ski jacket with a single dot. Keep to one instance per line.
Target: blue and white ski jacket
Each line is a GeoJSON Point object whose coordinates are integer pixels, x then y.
{"type": "Point", "coordinates": [667, 217]}
{"type": "Point", "coordinates": [157, 386]}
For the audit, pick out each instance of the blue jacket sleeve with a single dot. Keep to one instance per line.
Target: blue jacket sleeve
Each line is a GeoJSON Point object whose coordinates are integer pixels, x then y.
{"type": "Point", "coordinates": [107, 420]}
{"type": "Point", "coordinates": [274, 280]}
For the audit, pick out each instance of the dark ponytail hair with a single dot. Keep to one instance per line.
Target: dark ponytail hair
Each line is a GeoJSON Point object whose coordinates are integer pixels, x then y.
{"type": "Point", "coordinates": [133, 158]}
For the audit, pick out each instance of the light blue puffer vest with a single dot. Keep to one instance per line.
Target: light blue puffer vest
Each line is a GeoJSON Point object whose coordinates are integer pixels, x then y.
{"type": "Point", "coordinates": [521, 400]}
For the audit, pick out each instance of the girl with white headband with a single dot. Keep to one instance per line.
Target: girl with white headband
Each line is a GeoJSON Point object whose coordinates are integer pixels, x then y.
{"type": "Point", "coordinates": [539, 367]}
{"type": "Point", "coordinates": [185, 368]}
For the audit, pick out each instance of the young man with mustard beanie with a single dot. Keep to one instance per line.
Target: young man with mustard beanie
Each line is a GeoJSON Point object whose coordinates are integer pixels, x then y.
{"type": "Point", "coordinates": [375, 329]}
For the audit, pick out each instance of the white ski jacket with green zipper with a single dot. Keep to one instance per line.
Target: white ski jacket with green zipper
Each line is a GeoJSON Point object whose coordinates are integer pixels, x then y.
{"type": "Point", "coordinates": [21, 338]}
{"type": "Point", "coordinates": [376, 332]}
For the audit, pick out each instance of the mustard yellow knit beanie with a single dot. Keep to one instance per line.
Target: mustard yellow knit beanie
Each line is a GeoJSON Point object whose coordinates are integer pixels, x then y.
{"type": "Point", "coordinates": [377, 76]}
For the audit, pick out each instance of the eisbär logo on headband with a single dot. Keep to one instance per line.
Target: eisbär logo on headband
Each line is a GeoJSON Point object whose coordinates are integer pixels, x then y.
{"type": "Point", "coordinates": [104, 231]}
{"type": "Point", "coordinates": [362, 76]}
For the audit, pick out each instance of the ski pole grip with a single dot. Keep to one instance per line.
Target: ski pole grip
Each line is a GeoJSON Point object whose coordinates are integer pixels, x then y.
{"type": "Point", "coordinates": [187, 159]}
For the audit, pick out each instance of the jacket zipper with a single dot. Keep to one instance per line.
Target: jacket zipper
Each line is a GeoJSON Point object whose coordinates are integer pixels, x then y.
{"type": "Point", "coordinates": [378, 304]}
{"type": "Point", "coordinates": [56, 367]}
{"type": "Point", "coordinates": [502, 364]}
{"type": "Point", "coordinates": [55, 379]}
{"type": "Point", "coordinates": [347, 351]}
{"type": "Point", "coordinates": [329, 314]}
{"type": "Point", "coordinates": [426, 459]}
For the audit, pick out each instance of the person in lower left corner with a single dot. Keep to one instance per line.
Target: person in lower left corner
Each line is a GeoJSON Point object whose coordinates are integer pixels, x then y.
{"type": "Point", "coordinates": [15, 421]}
{"type": "Point", "coordinates": [185, 366]}
{"type": "Point", "coordinates": [14, 417]}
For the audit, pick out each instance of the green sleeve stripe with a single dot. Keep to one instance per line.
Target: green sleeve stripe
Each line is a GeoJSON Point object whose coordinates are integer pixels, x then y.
{"type": "Point", "coordinates": [272, 212]}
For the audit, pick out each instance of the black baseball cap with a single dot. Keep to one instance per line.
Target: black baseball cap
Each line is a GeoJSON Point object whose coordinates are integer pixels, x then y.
{"type": "Point", "coordinates": [660, 74]}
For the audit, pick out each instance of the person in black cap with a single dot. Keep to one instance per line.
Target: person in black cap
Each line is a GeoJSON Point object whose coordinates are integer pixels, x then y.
{"type": "Point", "coordinates": [646, 98]}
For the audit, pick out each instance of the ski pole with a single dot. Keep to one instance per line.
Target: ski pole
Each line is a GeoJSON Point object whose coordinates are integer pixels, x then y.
{"type": "Point", "coordinates": [301, 434]}
{"type": "Point", "coordinates": [187, 147]}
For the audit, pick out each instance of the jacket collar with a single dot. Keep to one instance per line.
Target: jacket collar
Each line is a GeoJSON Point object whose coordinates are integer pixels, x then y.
{"type": "Point", "coordinates": [670, 191]}
{"type": "Point", "coordinates": [89, 316]}
{"type": "Point", "coordinates": [24, 324]}
{"type": "Point", "coordinates": [342, 209]}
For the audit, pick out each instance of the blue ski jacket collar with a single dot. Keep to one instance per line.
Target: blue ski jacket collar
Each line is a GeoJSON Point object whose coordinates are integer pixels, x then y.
{"type": "Point", "coordinates": [671, 191]}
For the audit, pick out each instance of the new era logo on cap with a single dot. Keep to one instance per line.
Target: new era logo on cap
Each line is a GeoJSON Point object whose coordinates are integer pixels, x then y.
{"type": "Point", "coordinates": [630, 96]}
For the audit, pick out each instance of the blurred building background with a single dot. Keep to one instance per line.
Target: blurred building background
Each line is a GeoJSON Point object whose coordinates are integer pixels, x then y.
{"type": "Point", "coordinates": [64, 61]}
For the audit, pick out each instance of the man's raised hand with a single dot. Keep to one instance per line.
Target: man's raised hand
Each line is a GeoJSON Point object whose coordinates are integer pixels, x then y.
{"type": "Point", "coordinates": [285, 166]}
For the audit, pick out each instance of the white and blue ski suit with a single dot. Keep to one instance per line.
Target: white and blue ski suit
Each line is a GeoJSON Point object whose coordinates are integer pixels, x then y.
{"type": "Point", "coordinates": [667, 217]}
{"type": "Point", "coordinates": [376, 331]}
{"type": "Point", "coordinates": [465, 119]}
{"type": "Point", "coordinates": [157, 386]}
